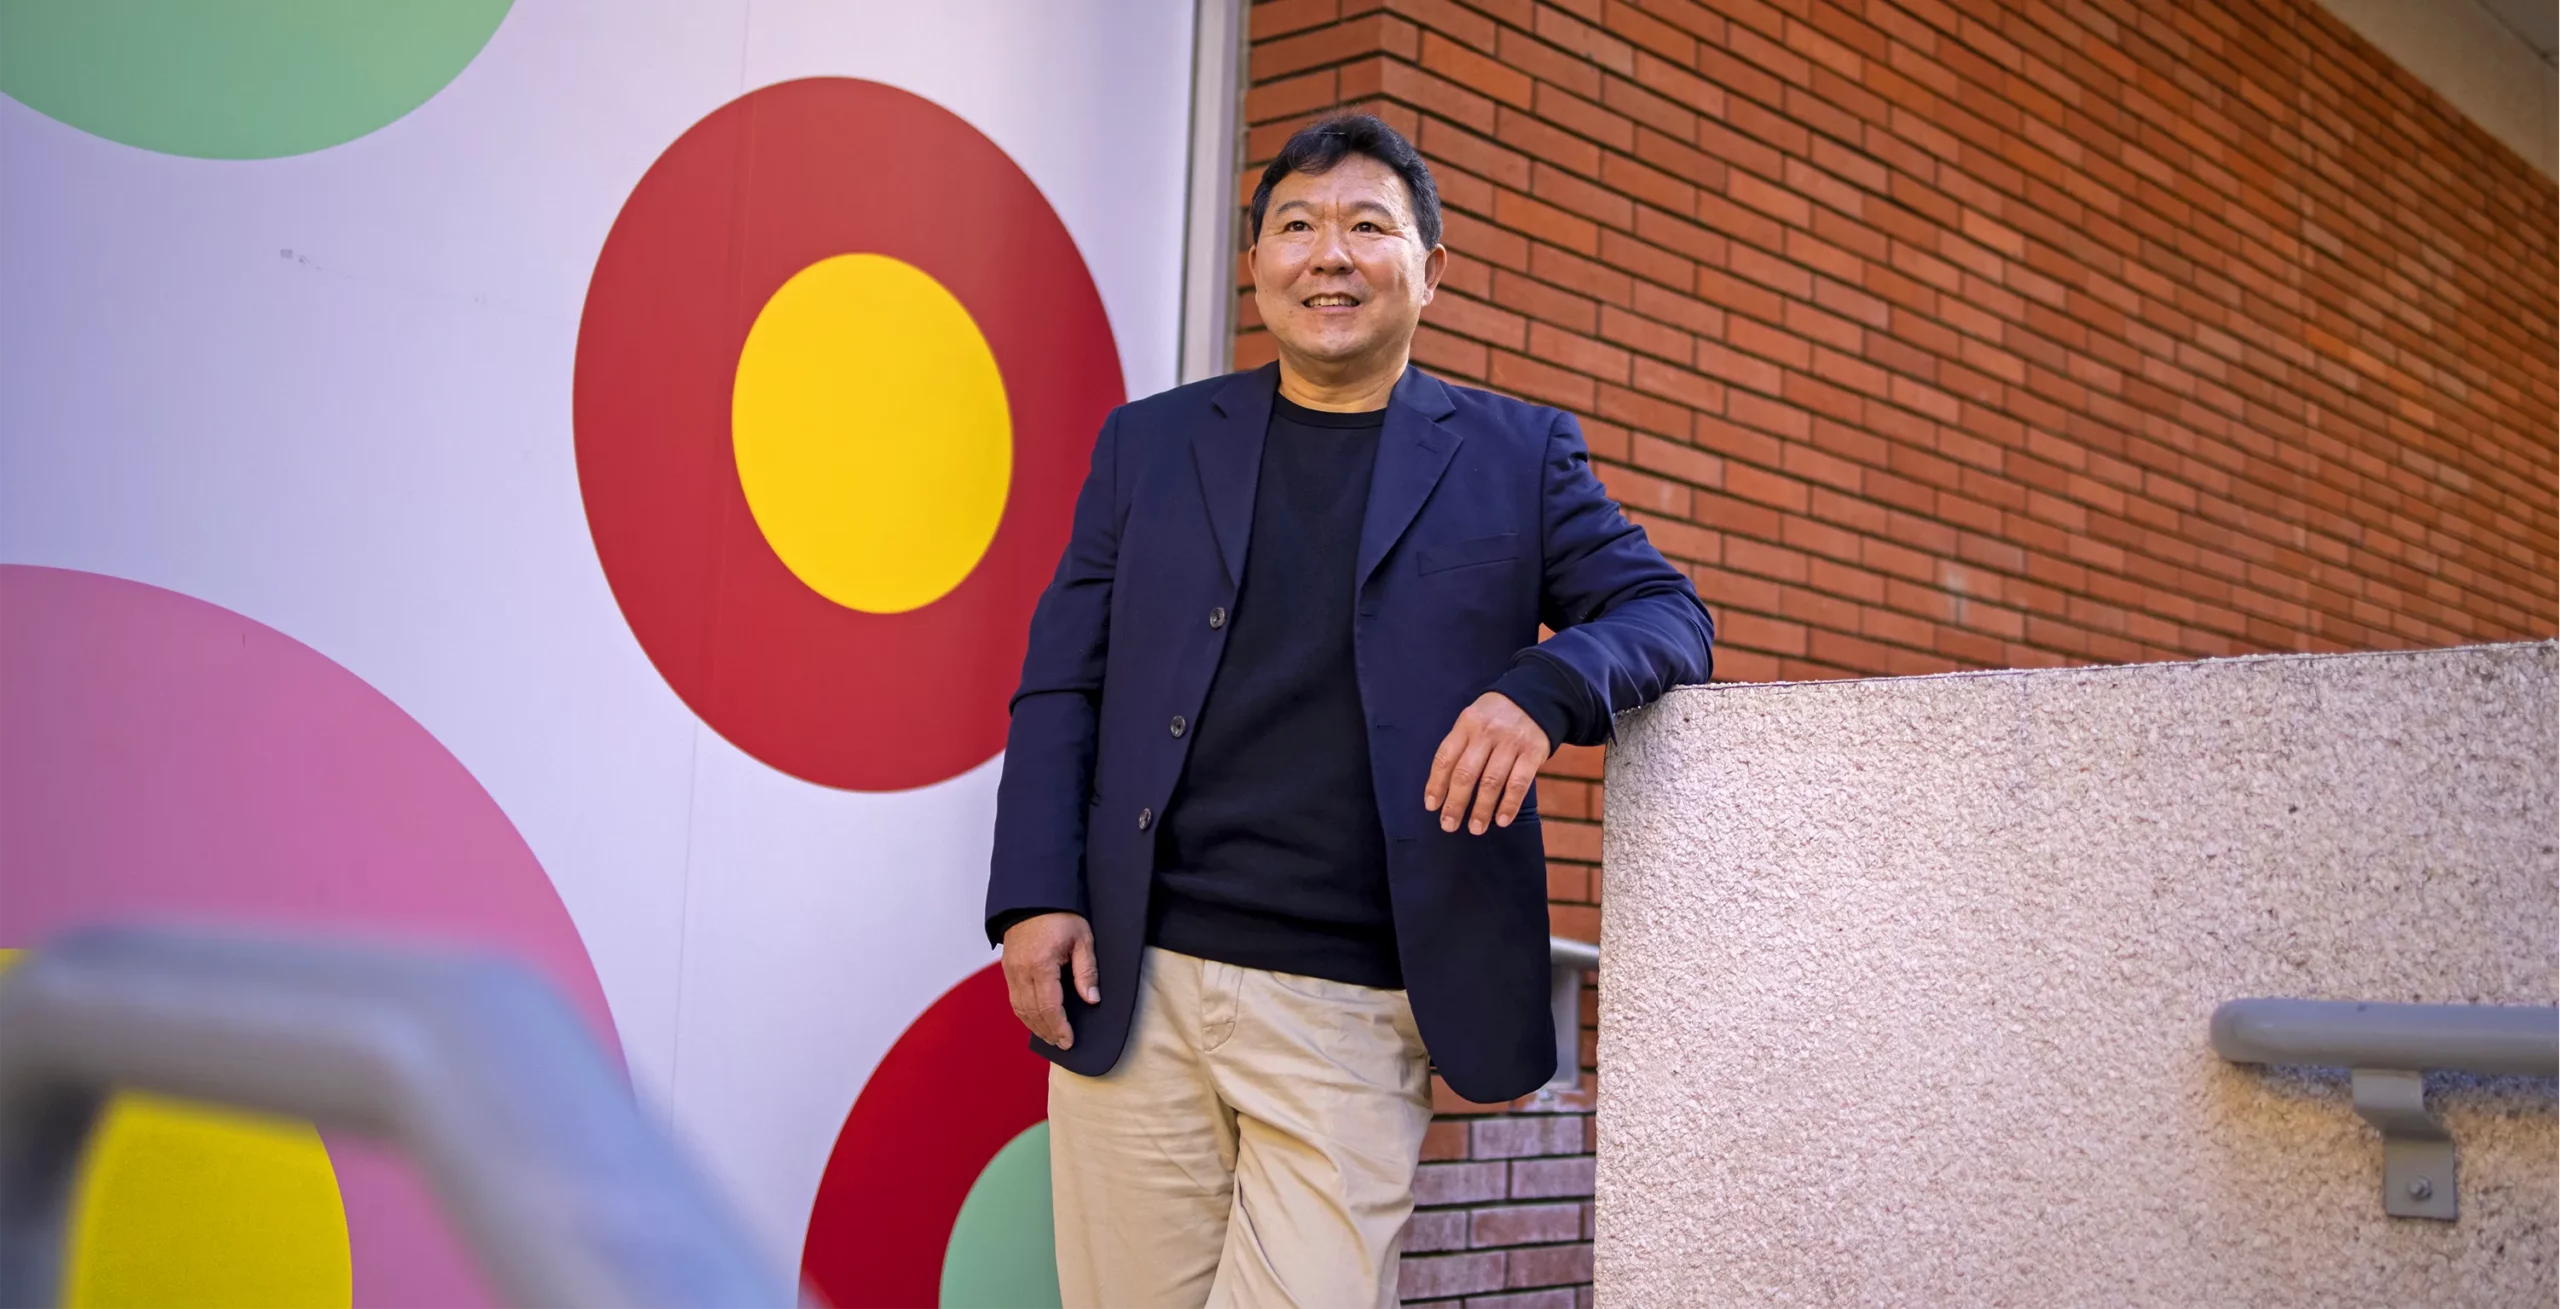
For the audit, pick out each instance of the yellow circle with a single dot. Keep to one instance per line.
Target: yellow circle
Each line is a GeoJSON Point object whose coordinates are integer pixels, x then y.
{"type": "Point", "coordinates": [871, 433]}
{"type": "Point", "coordinates": [187, 1204]}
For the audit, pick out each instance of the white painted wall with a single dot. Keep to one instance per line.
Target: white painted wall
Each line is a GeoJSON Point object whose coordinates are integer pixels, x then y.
{"type": "Point", "coordinates": [2475, 61]}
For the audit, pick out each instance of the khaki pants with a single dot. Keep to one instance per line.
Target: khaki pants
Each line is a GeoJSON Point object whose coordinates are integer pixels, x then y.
{"type": "Point", "coordinates": [1255, 1147]}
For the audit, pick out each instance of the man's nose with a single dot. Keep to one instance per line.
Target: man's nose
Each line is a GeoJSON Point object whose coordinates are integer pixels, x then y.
{"type": "Point", "coordinates": [1330, 254]}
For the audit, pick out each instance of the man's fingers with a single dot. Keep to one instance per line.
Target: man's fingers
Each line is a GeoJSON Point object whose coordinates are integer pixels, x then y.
{"type": "Point", "coordinates": [1523, 772]}
{"type": "Point", "coordinates": [1462, 781]}
{"type": "Point", "coordinates": [1436, 787]}
{"type": "Point", "coordinates": [1088, 977]}
{"type": "Point", "coordinates": [1049, 1010]}
{"type": "Point", "coordinates": [1497, 776]}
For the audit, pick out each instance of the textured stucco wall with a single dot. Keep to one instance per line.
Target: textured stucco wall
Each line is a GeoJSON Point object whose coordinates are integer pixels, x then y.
{"type": "Point", "coordinates": [1906, 982]}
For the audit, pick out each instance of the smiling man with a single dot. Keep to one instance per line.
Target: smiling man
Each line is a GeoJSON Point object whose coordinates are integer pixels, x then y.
{"type": "Point", "coordinates": [1267, 843]}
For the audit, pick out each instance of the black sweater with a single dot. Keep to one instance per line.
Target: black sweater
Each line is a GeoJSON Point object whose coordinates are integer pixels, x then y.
{"type": "Point", "coordinates": [1271, 855]}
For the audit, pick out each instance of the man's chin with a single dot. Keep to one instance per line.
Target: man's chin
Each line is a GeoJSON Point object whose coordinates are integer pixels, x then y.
{"type": "Point", "coordinates": [1331, 348]}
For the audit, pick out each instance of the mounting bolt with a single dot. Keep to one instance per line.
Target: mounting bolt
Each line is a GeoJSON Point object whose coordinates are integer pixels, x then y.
{"type": "Point", "coordinates": [2420, 1188]}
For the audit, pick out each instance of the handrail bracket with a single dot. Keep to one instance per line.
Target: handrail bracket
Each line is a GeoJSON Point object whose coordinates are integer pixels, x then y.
{"type": "Point", "coordinates": [2417, 1151]}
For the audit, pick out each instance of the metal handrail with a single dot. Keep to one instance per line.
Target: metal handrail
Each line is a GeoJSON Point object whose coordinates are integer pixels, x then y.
{"type": "Point", "coordinates": [2386, 1049]}
{"type": "Point", "coordinates": [1567, 961]}
{"type": "Point", "coordinates": [523, 1128]}
{"type": "Point", "coordinates": [2467, 1038]}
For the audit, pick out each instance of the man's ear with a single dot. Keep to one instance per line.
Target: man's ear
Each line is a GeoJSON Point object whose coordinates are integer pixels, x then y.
{"type": "Point", "coordinates": [1434, 265]}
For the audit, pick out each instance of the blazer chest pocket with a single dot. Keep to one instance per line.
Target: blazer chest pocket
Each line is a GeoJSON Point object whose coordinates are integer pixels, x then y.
{"type": "Point", "coordinates": [1501, 548]}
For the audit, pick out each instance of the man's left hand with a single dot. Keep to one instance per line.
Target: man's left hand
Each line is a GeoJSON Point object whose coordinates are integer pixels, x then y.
{"type": "Point", "coordinates": [1483, 768]}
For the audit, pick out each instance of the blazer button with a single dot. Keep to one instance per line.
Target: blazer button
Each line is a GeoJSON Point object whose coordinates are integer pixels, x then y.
{"type": "Point", "coordinates": [1217, 618]}
{"type": "Point", "coordinates": [1146, 819]}
{"type": "Point", "coordinates": [1179, 725]}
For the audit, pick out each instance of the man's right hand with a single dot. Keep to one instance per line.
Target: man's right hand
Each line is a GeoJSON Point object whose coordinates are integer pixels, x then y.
{"type": "Point", "coordinates": [1036, 951]}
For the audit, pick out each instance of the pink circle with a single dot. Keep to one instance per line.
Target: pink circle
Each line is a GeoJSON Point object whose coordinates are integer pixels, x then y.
{"type": "Point", "coordinates": [165, 757]}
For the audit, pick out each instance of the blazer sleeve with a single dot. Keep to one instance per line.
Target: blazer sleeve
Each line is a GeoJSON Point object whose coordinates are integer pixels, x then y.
{"type": "Point", "coordinates": [1049, 747]}
{"type": "Point", "coordinates": [1628, 626]}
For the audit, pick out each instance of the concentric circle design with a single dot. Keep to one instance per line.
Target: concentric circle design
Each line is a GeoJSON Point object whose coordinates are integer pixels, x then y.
{"type": "Point", "coordinates": [958, 1088]}
{"type": "Point", "coordinates": [872, 438]}
{"type": "Point", "coordinates": [239, 79]}
{"type": "Point", "coordinates": [764, 189]}
{"type": "Point", "coordinates": [169, 758]}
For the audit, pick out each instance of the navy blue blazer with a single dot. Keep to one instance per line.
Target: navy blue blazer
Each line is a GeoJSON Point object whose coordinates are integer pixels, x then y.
{"type": "Point", "coordinates": [1484, 520]}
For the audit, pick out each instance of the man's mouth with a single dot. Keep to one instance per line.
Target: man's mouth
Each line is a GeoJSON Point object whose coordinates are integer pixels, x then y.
{"type": "Point", "coordinates": [1331, 300]}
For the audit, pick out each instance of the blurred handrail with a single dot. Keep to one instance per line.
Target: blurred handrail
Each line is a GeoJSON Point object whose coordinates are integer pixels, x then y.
{"type": "Point", "coordinates": [523, 1128]}
{"type": "Point", "coordinates": [1567, 961]}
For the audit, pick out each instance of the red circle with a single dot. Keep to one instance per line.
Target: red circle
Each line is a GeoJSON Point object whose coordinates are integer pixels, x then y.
{"type": "Point", "coordinates": [959, 1084]}
{"type": "Point", "coordinates": [765, 186]}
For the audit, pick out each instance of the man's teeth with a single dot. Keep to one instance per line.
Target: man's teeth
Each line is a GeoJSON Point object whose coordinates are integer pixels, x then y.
{"type": "Point", "coordinates": [1319, 301]}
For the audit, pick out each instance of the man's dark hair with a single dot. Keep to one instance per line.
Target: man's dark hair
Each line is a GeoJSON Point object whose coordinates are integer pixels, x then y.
{"type": "Point", "coordinates": [1318, 147]}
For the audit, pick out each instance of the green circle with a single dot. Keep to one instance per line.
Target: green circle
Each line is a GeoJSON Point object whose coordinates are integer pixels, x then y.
{"type": "Point", "coordinates": [1003, 1252]}
{"type": "Point", "coordinates": [235, 79]}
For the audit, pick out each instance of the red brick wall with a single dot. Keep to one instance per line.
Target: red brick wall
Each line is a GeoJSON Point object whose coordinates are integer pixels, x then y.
{"type": "Point", "coordinates": [1979, 333]}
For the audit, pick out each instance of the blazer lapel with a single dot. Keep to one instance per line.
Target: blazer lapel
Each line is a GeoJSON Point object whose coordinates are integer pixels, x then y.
{"type": "Point", "coordinates": [1413, 451]}
{"type": "Point", "coordinates": [1228, 453]}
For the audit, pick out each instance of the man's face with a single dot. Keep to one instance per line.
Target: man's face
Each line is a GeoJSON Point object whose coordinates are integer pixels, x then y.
{"type": "Point", "coordinates": [1339, 272]}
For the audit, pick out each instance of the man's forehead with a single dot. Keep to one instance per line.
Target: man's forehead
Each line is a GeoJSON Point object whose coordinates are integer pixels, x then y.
{"type": "Point", "coordinates": [1357, 180]}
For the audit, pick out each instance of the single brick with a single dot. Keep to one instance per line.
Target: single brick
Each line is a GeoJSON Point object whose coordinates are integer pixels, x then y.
{"type": "Point", "coordinates": [1514, 1138]}
{"type": "Point", "coordinates": [1468, 1183]}
{"type": "Point", "coordinates": [1430, 1277]}
{"type": "Point", "coordinates": [1524, 1224]}
{"type": "Point", "coordinates": [1548, 1265]}
{"type": "Point", "coordinates": [1538, 1179]}
{"type": "Point", "coordinates": [1444, 1140]}
{"type": "Point", "coordinates": [1433, 1230]}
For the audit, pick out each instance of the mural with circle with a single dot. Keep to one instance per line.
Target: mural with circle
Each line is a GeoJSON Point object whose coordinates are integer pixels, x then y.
{"type": "Point", "coordinates": [830, 428]}
{"type": "Point", "coordinates": [838, 375]}
{"type": "Point", "coordinates": [608, 537]}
